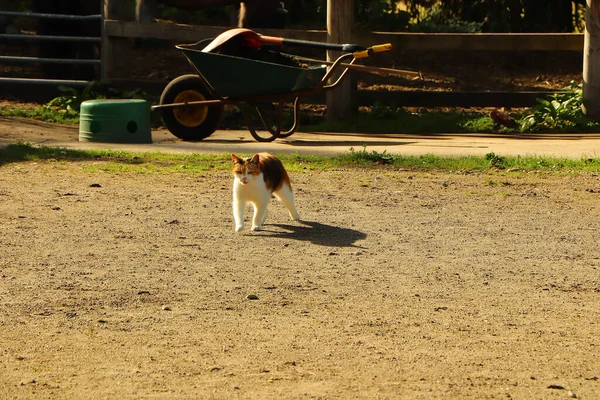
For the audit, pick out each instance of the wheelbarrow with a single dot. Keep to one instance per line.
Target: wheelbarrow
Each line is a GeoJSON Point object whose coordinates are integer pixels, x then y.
{"type": "Point", "coordinates": [244, 68]}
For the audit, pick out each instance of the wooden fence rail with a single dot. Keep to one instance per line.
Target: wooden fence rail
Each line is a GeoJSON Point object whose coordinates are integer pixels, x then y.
{"type": "Point", "coordinates": [401, 41]}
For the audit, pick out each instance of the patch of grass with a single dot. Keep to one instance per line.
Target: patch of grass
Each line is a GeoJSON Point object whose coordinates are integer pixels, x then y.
{"type": "Point", "coordinates": [65, 109]}
{"type": "Point", "coordinates": [114, 160]}
{"type": "Point", "coordinates": [469, 163]}
{"type": "Point", "coordinates": [156, 162]}
{"type": "Point", "coordinates": [389, 119]}
{"type": "Point", "coordinates": [41, 113]}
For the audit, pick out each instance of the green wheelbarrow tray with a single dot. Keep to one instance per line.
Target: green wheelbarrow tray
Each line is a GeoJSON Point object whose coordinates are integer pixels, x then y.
{"type": "Point", "coordinates": [236, 77]}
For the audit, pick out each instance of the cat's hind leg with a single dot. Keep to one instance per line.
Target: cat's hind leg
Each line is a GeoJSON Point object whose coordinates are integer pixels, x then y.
{"type": "Point", "coordinates": [286, 196]}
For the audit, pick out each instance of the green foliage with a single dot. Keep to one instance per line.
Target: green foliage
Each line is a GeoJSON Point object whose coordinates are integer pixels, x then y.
{"type": "Point", "coordinates": [373, 156]}
{"type": "Point", "coordinates": [559, 112]}
{"type": "Point", "coordinates": [42, 113]}
{"type": "Point", "coordinates": [468, 163]}
{"type": "Point", "coordinates": [495, 160]}
{"type": "Point", "coordinates": [70, 101]}
{"type": "Point", "coordinates": [518, 15]}
{"type": "Point", "coordinates": [65, 108]}
{"type": "Point", "coordinates": [380, 110]}
{"type": "Point", "coordinates": [381, 15]}
{"type": "Point", "coordinates": [440, 20]}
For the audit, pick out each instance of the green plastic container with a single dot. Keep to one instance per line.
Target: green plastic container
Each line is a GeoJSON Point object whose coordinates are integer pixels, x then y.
{"type": "Point", "coordinates": [115, 121]}
{"type": "Point", "coordinates": [233, 77]}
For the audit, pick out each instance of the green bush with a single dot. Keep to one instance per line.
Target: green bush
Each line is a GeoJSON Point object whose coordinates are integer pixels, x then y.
{"type": "Point", "coordinates": [560, 112]}
{"type": "Point", "coordinates": [440, 20]}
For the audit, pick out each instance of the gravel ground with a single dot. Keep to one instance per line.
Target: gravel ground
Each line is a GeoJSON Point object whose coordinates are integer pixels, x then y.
{"type": "Point", "coordinates": [396, 284]}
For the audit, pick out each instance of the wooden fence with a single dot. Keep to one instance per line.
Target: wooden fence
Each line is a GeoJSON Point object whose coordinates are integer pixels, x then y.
{"type": "Point", "coordinates": [117, 71]}
{"type": "Point", "coordinates": [118, 34]}
{"type": "Point", "coordinates": [399, 40]}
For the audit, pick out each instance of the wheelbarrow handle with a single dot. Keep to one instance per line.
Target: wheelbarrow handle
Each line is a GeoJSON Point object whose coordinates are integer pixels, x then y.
{"type": "Point", "coordinates": [378, 48]}
{"type": "Point", "coordinates": [348, 48]}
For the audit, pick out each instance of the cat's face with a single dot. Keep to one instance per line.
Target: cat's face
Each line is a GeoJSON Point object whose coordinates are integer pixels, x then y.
{"type": "Point", "coordinates": [245, 169]}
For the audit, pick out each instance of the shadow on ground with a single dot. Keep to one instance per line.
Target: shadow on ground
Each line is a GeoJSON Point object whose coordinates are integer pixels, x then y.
{"type": "Point", "coordinates": [317, 233]}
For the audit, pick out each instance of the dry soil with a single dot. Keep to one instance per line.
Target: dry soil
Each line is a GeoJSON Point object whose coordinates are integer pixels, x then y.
{"type": "Point", "coordinates": [397, 284]}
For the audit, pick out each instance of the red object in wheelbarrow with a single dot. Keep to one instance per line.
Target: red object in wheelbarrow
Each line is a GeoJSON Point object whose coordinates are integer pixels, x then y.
{"type": "Point", "coordinates": [241, 66]}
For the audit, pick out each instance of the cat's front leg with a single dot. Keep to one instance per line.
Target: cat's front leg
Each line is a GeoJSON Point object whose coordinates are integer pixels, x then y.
{"type": "Point", "coordinates": [238, 213]}
{"type": "Point", "coordinates": [260, 215]}
{"type": "Point", "coordinates": [263, 219]}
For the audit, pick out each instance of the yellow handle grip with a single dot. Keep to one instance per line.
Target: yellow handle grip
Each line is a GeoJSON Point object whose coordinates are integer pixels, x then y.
{"type": "Point", "coordinates": [378, 48]}
{"type": "Point", "coordinates": [382, 47]}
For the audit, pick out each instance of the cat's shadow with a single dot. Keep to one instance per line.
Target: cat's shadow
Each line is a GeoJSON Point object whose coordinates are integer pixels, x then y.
{"type": "Point", "coordinates": [316, 233]}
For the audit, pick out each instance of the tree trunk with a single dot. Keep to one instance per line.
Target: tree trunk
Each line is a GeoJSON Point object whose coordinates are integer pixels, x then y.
{"type": "Point", "coordinates": [591, 61]}
{"type": "Point", "coordinates": [340, 101]}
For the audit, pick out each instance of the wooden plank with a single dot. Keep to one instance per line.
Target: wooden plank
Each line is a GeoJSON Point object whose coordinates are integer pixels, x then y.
{"type": "Point", "coordinates": [190, 33]}
{"type": "Point", "coordinates": [175, 32]}
{"type": "Point", "coordinates": [476, 41]}
{"type": "Point", "coordinates": [400, 40]}
{"type": "Point", "coordinates": [115, 50]}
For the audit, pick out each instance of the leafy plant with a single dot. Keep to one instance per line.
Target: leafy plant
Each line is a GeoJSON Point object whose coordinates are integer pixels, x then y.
{"type": "Point", "coordinates": [558, 112]}
{"type": "Point", "coordinates": [495, 160]}
{"type": "Point", "coordinates": [70, 101]}
{"type": "Point", "coordinates": [65, 108]}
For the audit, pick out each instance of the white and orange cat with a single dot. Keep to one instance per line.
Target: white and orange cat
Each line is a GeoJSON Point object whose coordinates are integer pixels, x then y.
{"type": "Point", "coordinates": [256, 179]}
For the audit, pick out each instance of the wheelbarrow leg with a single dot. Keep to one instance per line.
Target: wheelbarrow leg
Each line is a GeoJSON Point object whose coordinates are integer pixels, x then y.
{"type": "Point", "coordinates": [272, 131]}
{"type": "Point", "coordinates": [295, 124]}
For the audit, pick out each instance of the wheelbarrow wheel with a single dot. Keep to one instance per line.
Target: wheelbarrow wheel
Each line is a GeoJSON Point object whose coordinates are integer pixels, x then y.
{"type": "Point", "coordinates": [190, 123]}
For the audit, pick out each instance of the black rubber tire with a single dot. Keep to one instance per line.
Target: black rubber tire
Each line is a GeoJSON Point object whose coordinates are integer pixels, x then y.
{"type": "Point", "coordinates": [191, 123]}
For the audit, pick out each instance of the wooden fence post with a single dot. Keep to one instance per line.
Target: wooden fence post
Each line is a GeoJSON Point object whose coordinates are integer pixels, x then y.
{"type": "Point", "coordinates": [591, 61]}
{"type": "Point", "coordinates": [116, 50]}
{"type": "Point", "coordinates": [340, 101]}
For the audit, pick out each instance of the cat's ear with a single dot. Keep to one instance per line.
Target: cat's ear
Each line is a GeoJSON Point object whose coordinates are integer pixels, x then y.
{"type": "Point", "coordinates": [255, 158]}
{"type": "Point", "coordinates": [235, 159]}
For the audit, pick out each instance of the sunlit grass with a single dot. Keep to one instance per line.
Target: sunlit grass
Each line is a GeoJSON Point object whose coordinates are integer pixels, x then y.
{"type": "Point", "coordinates": [41, 113]}
{"type": "Point", "coordinates": [157, 162]}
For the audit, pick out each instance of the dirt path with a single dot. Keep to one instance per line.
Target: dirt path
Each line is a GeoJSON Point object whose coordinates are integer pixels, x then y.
{"type": "Point", "coordinates": [398, 284]}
